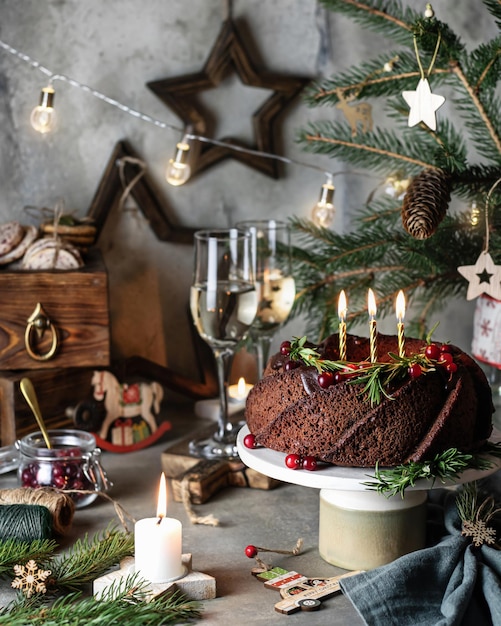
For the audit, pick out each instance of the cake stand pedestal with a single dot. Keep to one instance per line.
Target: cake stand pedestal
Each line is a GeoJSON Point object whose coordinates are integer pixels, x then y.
{"type": "Point", "coordinates": [358, 528]}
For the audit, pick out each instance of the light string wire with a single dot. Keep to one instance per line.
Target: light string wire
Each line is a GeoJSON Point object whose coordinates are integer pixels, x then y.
{"type": "Point", "coordinates": [491, 191]}
{"type": "Point", "coordinates": [148, 118]}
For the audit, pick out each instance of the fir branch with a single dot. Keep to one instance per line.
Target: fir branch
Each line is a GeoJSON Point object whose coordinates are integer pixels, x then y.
{"type": "Point", "coordinates": [13, 552]}
{"type": "Point", "coordinates": [382, 16]}
{"type": "Point", "coordinates": [445, 466]}
{"type": "Point", "coordinates": [88, 559]}
{"type": "Point", "coordinates": [124, 606]}
{"type": "Point", "coordinates": [494, 8]}
{"type": "Point", "coordinates": [458, 71]}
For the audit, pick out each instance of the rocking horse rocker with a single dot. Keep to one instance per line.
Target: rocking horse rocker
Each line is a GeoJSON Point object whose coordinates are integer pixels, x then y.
{"type": "Point", "coordinates": [130, 413]}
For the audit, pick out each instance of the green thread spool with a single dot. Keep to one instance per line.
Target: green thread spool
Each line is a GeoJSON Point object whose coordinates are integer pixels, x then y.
{"type": "Point", "coordinates": [25, 522]}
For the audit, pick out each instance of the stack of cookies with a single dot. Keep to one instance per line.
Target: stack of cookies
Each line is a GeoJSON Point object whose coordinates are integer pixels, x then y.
{"type": "Point", "coordinates": [81, 235]}
{"type": "Point", "coordinates": [51, 253]}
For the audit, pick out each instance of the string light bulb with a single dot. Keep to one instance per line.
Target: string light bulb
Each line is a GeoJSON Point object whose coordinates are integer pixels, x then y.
{"type": "Point", "coordinates": [43, 116]}
{"type": "Point", "coordinates": [324, 210]}
{"type": "Point", "coordinates": [178, 169]}
{"type": "Point", "coordinates": [474, 214]}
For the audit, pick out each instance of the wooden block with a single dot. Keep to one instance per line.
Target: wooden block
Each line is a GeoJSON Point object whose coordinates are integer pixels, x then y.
{"type": "Point", "coordinates": [177, 459]}
{"type": "Point", "coordinates": [194, 585]}
{"type": "Point", "coordinates": [76, 304]}
{"type": "Point", "coordinates": [202, 480]}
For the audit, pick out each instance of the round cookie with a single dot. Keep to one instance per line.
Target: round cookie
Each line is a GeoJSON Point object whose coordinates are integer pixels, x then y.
{"type": "Point", "coordinates": [30, 234]}
{"type": "Point", "coordinates": [11, 234]}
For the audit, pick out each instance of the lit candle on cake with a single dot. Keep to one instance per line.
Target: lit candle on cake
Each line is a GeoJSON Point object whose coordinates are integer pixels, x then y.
{"type": "Point", "coordinates": [342, 309]}
{"type": "Point", "coordinates": [400, 310]}
{"type": "Point", "coordinates": [158, 543]}
{"type": "Point", "coordinates": [371, 305]}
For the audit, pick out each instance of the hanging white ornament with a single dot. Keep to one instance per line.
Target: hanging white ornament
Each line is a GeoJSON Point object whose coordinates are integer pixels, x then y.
{"type": "Point", "coordinates": [483, 277]}
{"type": "Point", "coordinates": [423, 105]}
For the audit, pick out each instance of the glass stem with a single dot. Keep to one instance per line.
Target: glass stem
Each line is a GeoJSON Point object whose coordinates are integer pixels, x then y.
{"type": "Point", "coordinates": [262, 345]}
{"type": "Point", "coordinates": [224, 359]}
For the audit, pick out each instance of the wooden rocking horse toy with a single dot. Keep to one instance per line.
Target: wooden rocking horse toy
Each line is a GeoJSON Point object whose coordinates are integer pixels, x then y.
{"type": "Point", "coordinates": [123, 402]}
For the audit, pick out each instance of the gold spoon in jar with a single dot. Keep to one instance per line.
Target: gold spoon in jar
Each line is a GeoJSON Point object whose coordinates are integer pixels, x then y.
{"type": "Point", "coordinates": [30, 396]}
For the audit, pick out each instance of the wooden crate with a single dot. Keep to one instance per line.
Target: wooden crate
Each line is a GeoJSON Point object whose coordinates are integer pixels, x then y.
{"type": "Point", "coordinates": [76, 303]}
{"type": "Point", "coordinates": [57, 390]}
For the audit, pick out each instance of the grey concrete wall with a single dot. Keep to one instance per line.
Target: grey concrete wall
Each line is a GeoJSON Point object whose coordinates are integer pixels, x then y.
{"type": "Point", "coordinates": [117, 47]}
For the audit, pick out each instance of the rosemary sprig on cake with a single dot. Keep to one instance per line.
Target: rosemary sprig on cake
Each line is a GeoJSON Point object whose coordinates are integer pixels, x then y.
{"type": "Point", "coordinates": [376, 377]}
{"type": "Point", "coordinates": [445, 466]}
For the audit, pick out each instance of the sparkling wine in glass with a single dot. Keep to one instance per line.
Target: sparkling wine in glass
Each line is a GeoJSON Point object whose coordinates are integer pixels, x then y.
{"type": "Point", "coordinates": [223, 303]}
{"type": "Point", "coordinates": [276, 288]}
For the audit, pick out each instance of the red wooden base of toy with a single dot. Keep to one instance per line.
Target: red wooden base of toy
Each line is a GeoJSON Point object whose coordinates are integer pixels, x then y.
{"type": "Point", "coordinates": [104, 444]}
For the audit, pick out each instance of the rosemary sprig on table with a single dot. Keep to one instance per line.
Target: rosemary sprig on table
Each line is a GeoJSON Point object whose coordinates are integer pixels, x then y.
{"type": "Point", "coordinates": [446, 465]}
{"type": "Point", "coordinates": [375, 377]}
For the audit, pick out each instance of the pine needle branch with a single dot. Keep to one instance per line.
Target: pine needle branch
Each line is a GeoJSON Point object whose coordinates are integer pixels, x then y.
{"type": "Point", "coordinates": [13, 552]}
{"type": "Point", "coordinates": [122, 605]}
{"type": "Point", "coordinates": [88, 559]}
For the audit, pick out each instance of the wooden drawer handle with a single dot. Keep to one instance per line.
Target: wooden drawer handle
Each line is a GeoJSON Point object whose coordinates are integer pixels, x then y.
{"type": "Point", "coordinates": [38, 323]}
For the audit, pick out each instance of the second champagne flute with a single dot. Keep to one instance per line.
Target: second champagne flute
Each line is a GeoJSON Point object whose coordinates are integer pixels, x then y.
{"type": "Point", "coordinates": [274, 282]}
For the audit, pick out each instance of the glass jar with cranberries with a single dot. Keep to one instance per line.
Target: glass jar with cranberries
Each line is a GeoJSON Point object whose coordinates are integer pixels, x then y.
{"type": "Point", "coordinates": [71, 463]}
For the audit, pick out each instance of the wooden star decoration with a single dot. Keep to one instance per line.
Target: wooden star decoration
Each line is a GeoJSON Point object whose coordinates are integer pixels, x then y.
{"type": "Point", "coordinates": [484, 277]}
{"type": "Point", "coordinates": [229, 53]}
{"type": "Point", "coordinates": [144, 193]}
{"type": "Point", "coordinates": [423, 105]}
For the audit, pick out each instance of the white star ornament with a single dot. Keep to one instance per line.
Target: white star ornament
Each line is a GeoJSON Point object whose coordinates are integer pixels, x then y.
{"type": "Point", "coordinates": [484, 277]}
{"type": "Point", "coordinates": [423, 105]}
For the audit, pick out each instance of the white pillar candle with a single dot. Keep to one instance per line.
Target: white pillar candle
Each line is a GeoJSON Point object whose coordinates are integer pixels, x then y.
{"type": "Point", "coordinates": [158, 544]}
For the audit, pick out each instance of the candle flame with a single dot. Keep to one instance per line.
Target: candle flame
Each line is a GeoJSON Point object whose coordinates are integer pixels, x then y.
{"type": "Point", "coordinates": [371, 304]}
{"type": "Point", "coordinates": [400, 306]}
{"type": "Point", "coordinates": [162, 499]}
{"type": "Point", "coordinates": [241, 387]}
{"type": "Point", "coordinates": [342, 306]}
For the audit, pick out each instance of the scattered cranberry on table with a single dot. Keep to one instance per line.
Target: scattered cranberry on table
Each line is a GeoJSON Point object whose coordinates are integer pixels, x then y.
{"type": "Point", "coordinates": [251, 551]}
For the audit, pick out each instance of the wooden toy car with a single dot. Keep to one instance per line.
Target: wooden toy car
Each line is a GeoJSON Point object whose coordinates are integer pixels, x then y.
{"type": "Point", "coordinates": [300, 593]}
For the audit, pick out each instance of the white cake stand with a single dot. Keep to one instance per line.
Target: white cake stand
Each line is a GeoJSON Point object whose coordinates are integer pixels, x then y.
{"type": "Point", "coordinates": [358, 527]}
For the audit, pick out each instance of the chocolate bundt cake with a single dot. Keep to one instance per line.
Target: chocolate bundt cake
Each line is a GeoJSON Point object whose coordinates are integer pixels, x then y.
{"type": "Point", "coordinates": [424, 404]}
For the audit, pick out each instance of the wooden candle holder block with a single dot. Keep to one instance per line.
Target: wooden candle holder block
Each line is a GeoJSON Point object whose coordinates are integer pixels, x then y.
{"type": "Point", "coordinates": [194, 585]}
{"type": "Point", "coordinates": [204, 477]}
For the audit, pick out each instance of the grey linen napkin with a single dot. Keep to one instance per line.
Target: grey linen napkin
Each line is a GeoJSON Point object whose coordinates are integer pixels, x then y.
{"type": "Point", "coordinates": [452, 583]}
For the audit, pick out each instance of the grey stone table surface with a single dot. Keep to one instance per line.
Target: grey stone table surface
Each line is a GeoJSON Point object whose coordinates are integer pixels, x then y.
{"type": "Point", "coordinates": [273, 519]}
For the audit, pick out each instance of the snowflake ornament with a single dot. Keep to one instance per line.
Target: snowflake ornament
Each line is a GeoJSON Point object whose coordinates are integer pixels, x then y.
{"type": "Point", "coordinates": [479, 532]}
{"type": "Point", "coordinates": [30, 578]}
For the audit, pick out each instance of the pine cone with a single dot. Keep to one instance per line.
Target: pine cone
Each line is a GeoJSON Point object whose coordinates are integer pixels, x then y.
{"type": "Point", "coordinates": [425, 203]}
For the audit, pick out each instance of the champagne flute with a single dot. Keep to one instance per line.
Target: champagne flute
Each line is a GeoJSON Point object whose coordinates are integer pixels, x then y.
{"type": "Point", "coordinates": [275, 284]}
{"type": "Point", "coordinates": [223, 303]}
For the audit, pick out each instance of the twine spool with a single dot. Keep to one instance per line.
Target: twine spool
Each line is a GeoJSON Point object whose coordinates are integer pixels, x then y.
{"type": "Point", "coordinates": [25, 522]}
{"type": "Point", "coordinates": [60, 505]}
